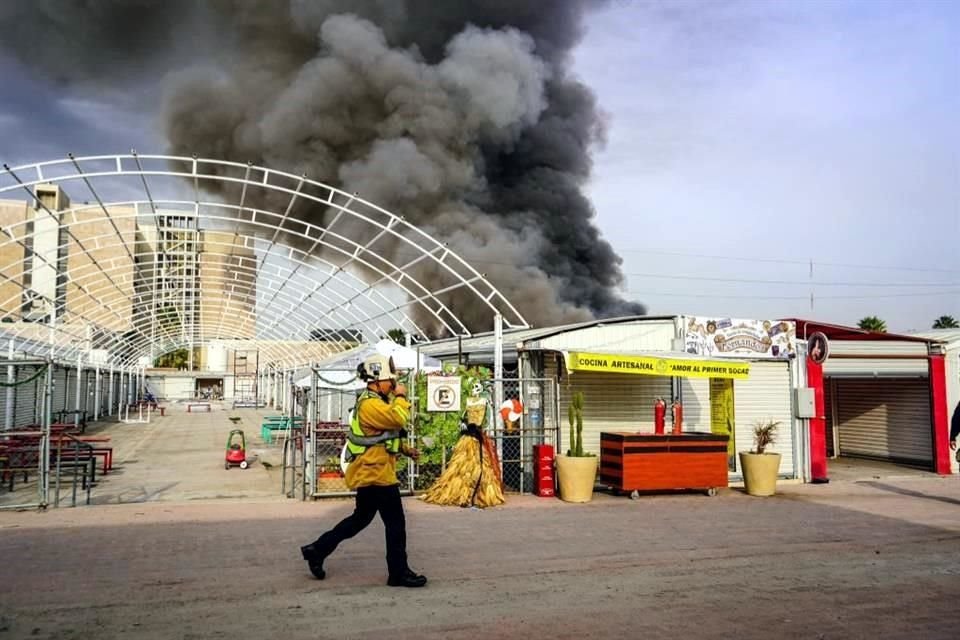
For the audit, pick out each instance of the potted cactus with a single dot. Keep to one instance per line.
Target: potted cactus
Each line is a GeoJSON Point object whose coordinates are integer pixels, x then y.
{"type": "Point", "coordinates": [761, 467]}
{"type": "Point", "coordinates": [576, 471]}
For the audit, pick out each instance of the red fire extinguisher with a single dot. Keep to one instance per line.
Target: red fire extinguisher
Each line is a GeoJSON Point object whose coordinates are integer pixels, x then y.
{"type": "Point", "coordinates": [677, 417]}
{"type": "Point", "coordinates": [659, 415]}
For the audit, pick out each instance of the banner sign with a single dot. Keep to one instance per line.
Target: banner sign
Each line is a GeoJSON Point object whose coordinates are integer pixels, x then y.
{"type": "Point", "coordinates": [654, 366]}
{"type": "Point", "coordinates": [443, 393]}
{"type": "Point", "coordinates": [738, 338]}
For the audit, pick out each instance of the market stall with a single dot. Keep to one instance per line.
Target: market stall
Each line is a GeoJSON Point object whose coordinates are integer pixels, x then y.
{"type": "Point", "coordinates": [642, 459]}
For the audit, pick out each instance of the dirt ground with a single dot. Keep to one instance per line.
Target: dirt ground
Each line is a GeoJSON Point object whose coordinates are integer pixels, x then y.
{"type": "Point", "coordinates": [873, 559]}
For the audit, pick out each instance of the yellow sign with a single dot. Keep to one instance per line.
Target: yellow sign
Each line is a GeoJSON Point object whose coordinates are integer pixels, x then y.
{"type": "Point", "coordinates": [722, 416]}
{"type": "Point", "coordinates": [653, 366]}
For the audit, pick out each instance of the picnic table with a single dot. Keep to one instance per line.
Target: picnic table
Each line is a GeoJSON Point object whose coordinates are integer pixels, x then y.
{"type": "Point", "coordinates": [91, 441]}
{"type": "Point", "coordinates": [74, 417]}
{"type": "Point", "coordinates": [23, 448]}
{"type": "Point", "coordinates": [279, 423]}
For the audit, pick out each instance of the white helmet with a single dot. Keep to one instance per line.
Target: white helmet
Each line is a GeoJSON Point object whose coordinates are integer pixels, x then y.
{"type": "Point", "coordinates": [377, 368]}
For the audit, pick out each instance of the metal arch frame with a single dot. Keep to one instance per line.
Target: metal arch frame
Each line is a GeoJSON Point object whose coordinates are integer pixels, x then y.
{"type": "Point", "coordinates": [106, 294]}
{"type": "Point", "coordinates": [330, 257]}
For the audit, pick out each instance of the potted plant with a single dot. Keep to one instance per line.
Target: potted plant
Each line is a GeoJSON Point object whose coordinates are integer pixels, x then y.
{"type": "Point", "coordinates": [576, 471]}
{"type": "Point", "coordinates": [760, 467]}
{"type": "Point", "coordinates": [331, 468]}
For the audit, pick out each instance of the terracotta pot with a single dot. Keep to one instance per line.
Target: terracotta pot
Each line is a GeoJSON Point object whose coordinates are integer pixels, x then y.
{"type": "Point", "coordinates": [577, 477]}
{"type": "Point", "coordinates": [760, 472]}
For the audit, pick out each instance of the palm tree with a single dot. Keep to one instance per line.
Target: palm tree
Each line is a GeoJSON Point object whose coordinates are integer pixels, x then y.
{"type": "Point", "coordinates": [946, 322]}
{"type": "Point", "coordinates": [873, 324]}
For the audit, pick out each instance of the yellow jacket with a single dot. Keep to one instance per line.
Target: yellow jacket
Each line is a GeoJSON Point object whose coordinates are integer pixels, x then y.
{"type": "Point", "coordinates": [376, 466]}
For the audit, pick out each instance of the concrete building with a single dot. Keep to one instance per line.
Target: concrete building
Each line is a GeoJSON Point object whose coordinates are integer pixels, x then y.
{"type": "Point", "coordinates": [80, 276]}
{"type": "Point", "coordinates": [13, 216]}
{"type": "Point", "coordinates": [227, 271]}
{"type": "Point", "coordinates": [121, 274]}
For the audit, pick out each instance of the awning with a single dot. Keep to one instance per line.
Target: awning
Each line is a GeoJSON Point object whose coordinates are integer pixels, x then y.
{"type": "Point", "coordinates": [657, 364]}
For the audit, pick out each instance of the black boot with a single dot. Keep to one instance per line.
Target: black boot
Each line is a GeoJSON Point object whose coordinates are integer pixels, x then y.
{"type": "Point", "coordinates": [314, 559]}
{"type": "Point", "coordinates": [407, 579]}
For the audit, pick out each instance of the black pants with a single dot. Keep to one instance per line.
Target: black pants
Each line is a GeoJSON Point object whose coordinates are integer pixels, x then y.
{"type": "Point", "coordinates": [370, 500]}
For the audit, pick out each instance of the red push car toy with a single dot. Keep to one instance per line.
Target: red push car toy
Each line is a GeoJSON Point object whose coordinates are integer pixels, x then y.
{"type": "Point", "coordinates": [236, 451]}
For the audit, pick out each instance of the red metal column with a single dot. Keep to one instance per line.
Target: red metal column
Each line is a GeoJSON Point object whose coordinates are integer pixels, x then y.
{"type": "Point", "coordinates": [938, 414]}
{"type": "Point", "coordinates": [818, 425]}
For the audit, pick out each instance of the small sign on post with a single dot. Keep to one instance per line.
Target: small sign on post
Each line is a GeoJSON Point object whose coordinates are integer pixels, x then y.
{"type": "Point", "coordinates": [818, 348]}
{"type": "Point", "coordinates": [443, 393]}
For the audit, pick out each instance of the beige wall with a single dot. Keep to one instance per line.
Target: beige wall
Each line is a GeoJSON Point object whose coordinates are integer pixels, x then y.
{"type": "Point", "coordinates": [12, 212]}
{"type": "Point", "coordinates": [110, 303]}
{"type": "Point", "coordinates": [228, 287]}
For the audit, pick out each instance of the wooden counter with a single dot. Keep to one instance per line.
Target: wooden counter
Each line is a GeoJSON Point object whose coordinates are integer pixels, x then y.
{"type": "Point", "coordinates": [650, 462]}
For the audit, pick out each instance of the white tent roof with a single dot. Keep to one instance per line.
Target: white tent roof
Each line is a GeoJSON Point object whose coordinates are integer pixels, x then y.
{"type": "Point", "coordinates": [405, 358]}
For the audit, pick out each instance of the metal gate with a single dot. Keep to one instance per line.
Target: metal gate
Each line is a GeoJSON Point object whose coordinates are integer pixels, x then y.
{"type": "Point", "coordinates": [27, 451]}
{"type": "Point", "coordinates": [539, 424]}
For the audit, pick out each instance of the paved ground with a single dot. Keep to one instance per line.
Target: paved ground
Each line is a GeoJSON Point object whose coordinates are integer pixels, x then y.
{"type": "Point", "coordinates": [178, 457]}
{"type": "Point", "coordinates": [177, 547]}
{"type": "Point", "coordinates": [845, 468]}
{"type": "Point", "coordinates": [879, 559]}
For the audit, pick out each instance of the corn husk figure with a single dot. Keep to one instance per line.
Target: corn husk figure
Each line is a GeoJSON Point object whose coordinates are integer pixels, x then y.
{"type": "Point", "coordinates": [472, 478]}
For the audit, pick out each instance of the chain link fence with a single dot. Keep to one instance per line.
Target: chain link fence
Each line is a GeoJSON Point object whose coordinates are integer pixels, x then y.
{"type": "Point", "coordinates": [514, 440]}
{"type": "Point", "coordinates": [537, 425]}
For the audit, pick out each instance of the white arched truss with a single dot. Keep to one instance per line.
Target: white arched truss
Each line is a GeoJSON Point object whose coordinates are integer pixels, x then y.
{"type": "Point", "coordinates": [169, 252]}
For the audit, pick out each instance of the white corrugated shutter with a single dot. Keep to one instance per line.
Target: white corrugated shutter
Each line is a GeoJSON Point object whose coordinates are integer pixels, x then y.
{"type": "Point", "coordinates": [3, 403]}
{"type": "Point", "coordinates": [611, 402]}
{"type": "Point", "coordinates": [70, 391]}
{"type": "Point", "coordinates": [25, 398]}
{"type": "Point", "coordinates": [60, 379]}
{"type": "Point", "coordinates": [885, 418]}
{"type": "Point", "coordinates": [871, 361]}
{"type": "Point", "coordinates": [695, 394]}
{"type": "Point", "coordinates": [828, 409]}
{"type": "Point", "coordinates": [116, 390]}
{"type": "Point", "coordinates": [765, 395]}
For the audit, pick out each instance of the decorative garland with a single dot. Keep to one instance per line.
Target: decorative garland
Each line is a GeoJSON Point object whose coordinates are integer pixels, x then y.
{"type": "Point", "coordinates": [22, 382]}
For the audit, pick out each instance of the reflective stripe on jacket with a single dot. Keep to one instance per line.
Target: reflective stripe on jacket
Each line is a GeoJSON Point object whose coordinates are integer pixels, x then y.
{"type": "Point", "coordinates": [374, 440]}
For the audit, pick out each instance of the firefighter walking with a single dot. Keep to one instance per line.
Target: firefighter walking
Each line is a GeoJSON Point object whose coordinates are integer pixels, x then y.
{"type": "Point", "coordinates": [374, 442]}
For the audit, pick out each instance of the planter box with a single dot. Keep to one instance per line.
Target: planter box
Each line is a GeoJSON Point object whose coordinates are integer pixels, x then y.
{"type": "Point", "coordinates": [653, 462]}
{"type": "Point", "coordinates": [577, 477]}
{"type": "Point", "coordinates": [760, 472]}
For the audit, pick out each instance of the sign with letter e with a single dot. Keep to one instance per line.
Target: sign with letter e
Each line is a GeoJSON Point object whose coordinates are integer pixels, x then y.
{"type": "Point", "coordinates": [443, 393]}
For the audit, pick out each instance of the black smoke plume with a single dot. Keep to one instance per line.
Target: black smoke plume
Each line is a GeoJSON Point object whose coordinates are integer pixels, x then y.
{"type": "Point", "coordinates": [463, 117]}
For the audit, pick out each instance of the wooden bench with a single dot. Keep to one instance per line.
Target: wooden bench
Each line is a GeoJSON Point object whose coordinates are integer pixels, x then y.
{"type": "Point", "coordinates": [73, 417]}
{"type": "Point", "coordinates": [20, 459]}
{"type": "Point", "coordinates": [202, 405]}
{"type": "Point", "coordinates": [278, 423]}
{"type": "Point", "coordinates": [94, 444]}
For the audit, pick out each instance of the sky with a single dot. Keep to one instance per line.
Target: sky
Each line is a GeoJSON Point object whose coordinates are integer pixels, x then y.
{"type": "Point", "coordinates": [746, 140]}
